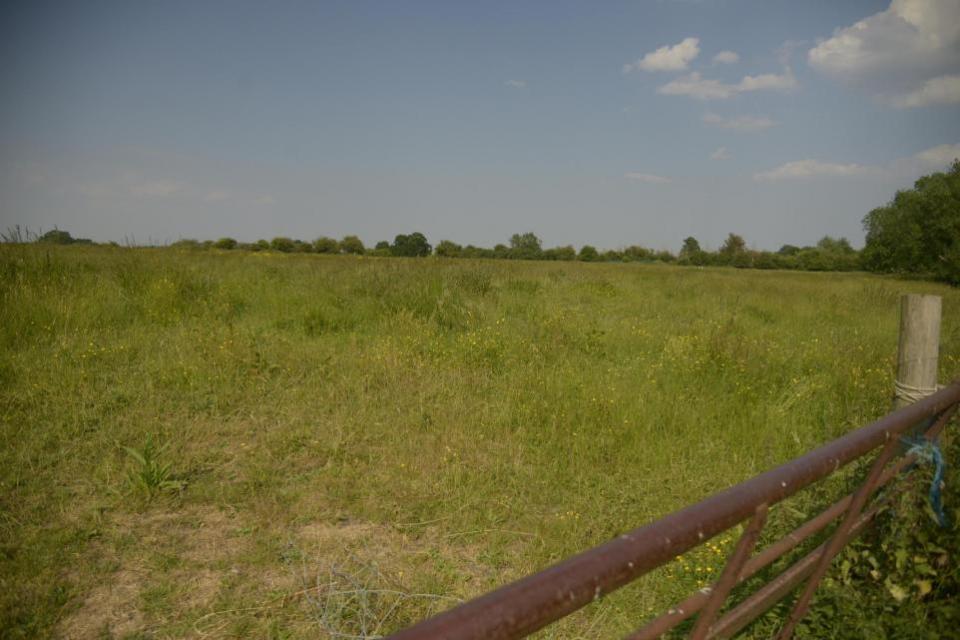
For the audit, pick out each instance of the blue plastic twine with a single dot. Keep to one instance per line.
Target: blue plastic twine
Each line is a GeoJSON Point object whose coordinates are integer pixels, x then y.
{"type": "Point", "coordinates": [929, 451]}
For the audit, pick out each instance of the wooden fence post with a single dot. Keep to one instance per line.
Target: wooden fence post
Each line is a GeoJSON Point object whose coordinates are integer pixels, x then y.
{"type": "Point", "coordinates": [919, 348]}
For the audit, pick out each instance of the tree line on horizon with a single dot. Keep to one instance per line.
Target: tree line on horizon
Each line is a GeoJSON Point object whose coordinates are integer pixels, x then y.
{"type": "Point", "coordinates": [917, 232]}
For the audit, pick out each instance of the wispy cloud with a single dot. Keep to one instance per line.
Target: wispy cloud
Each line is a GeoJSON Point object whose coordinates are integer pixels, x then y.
{"type": "Point", "coordinates": [217, 195]}
{"type": "Point", "coordinates": [810, 169]}
{"type": "Point", "coordinates": [720, 154]}
{"type": "Point", "coordinates": [726, 57]}
{"type": "Point", "coordinates": [126, 184]}
{"type": "Point", "coordinates": [696, 86]}
{"type": "Point", "coordinates": [935, 91]}
{"type": "Point", "coordinates": [645, 177]}
{"type": "Point", "coordinates": [786, 51]}
{"type": "Point", "coordinates": [155, 188]}
{"type": "Point", "coordinates": [933, 159]}
{"type": "Point", "coordinates": [769, 81]}
{"type": "Point", "coordinates": [744, 124]}
{"type": "Point", "coordinates": [516, 84]}
{"type": "Point", "coordinates": [668, 58]}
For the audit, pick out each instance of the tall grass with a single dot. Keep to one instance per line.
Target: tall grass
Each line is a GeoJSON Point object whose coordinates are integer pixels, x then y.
{"type": "Point", "coordinates": [474, 420]}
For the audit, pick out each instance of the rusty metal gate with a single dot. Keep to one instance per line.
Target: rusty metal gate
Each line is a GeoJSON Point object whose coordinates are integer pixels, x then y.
{"type": "Point", "coordinates": [522, 607]}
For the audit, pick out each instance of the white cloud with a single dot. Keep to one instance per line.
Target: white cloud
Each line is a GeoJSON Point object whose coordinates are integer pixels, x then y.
{"type": "Point", "coordinates": [720, 154]}
{"type": "Point", "coordinates": [726, 57]}
{"type": "Point", "coordinates": [695, 86]}
{"type": "Point", "coordinates": [810, 169]}
{"type": "Point", "coordinates": [769, 81]}
{"type": "Point", "coordinates": [910, 34]}
{"type": "Point", "coordinates": [667, 58]}
{"type": "Point", "coordinates": [743, 124]}
{"type": "Point", "coordinates": [516, 84]}
{"type": "Point", "coordinates": [646, 177]}
{"type": "Point", "coordinates": [910, 51]}
{"type": "Point", "coordinates": [941, 90]}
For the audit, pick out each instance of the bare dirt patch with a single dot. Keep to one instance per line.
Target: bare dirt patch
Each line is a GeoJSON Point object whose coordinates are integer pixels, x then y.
{"type": "Point", "coordinates": [338, 578]}
{"type": "Point", "coordinates": [193, 548]}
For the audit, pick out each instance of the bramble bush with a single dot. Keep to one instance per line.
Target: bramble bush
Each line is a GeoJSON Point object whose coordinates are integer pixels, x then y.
{"type": "Point", "coordinates": [901, 578]}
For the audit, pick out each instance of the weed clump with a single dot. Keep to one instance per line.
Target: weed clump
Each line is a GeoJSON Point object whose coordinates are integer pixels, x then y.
{"type": "Point", "coordinates": [150, 474]}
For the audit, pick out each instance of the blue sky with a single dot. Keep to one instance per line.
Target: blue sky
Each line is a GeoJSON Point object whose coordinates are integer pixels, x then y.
{"type": "Point", "coordinates": [609, 124]}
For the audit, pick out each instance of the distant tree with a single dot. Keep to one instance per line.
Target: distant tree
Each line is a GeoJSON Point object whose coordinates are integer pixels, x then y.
{"type": "Point", "coordinates": [743, 259]}
{"type": "Point", "coordinates": [766, 260]}
{"type": "Point", "coordinates": [690, 247]}
{"type": "Point", "coordinates": [919, 230]}
{"type": "Point", "coordinates": [636, 253]}
{"type": "Point", "coordinates": [383, 244]}
{"type": "Point", "coordinates": [56, 236]}
{"type": "Point", "coordinates": [353, 245]}
{"type": "Point", "coordinates": [611, 255]}
{"type": "Point", "coordinates": [500, 251]}
{"type": "Point", "coordinates": [588, 254]}
{"type": "Point", "coordinates": [261, 245]}
{"type": "Point", "coordinates": [413, 245]}
{"type": "Point", "coordinates": [560, 253]}
{"type": "Point", "coordinates": [525, 246]}
{"type": "Point", "coordinates": [834, 245]}
{"type": "Point", "coordinates": [733, 245]}
{"type": "Point", "coordinates": [471, 251]}
{"type": "Point", "coordinates": [789, 250]}
{"type": "Point", "coordinates": [664, 256]}
{"type": "Point", "coordinates": [225, 243]}
{"type": "Point", "coordinates": [448, 249]}
{"type": "Point", "coordinates": [187, 243]}
{"type": "Point", "coordinates": [283, 244]}
{"type": "Point", "coordinates": [323, 244]}
{"type": "Point", "coordinates": [299, 246]}
{"type": "Point", "coordinates": [692, 253]}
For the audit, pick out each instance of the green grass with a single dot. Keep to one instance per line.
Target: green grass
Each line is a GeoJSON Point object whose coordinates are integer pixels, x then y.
{"type": "Point", "coordinates": [415, 427]}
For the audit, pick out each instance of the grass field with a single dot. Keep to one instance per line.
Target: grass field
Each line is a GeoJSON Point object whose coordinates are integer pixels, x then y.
{"type": "Point", "coordinates": [192, 442]}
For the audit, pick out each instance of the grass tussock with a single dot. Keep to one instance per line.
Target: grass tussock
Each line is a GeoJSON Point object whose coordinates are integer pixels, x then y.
{"type": "Point", "coordinates": [450, 424]}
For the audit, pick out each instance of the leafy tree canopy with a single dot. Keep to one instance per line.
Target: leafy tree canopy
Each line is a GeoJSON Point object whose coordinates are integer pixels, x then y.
{"type": "Point", "coordinates": [919, 230]}
{"type": "Point", "coordinates": [324, 244]}
{"type": "Point", "coordinates": [588, 254]}
{"type": "Point", "coordinates": [690, 247]}
{"type": "Point", "coordinates": [525, 246]}
{"type": "Point", "coordinates": [448, 249]}
{"type": "Point", "coordinates": [352, 244]}
{"type": "Point", "coordinates": [412, 246]}
{"type": "Point", "coordinates": [733, 245]}
{"type": "Point", "coordinates": [283, 244]}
